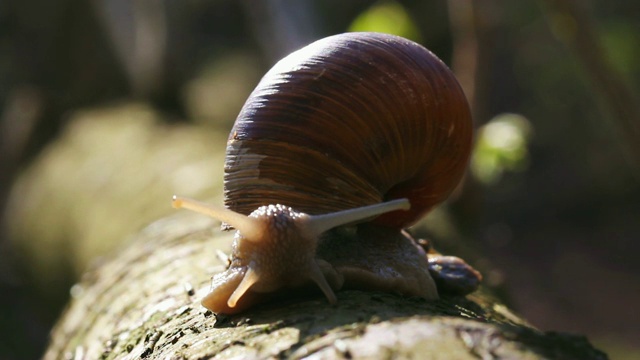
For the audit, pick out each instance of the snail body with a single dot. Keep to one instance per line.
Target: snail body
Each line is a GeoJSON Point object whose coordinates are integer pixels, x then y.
{"type": "Point", "coordinates": [342, 144]}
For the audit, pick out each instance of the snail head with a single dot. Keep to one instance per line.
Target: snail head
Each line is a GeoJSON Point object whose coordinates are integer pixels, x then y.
{"type": "Point", "coordinates": [275, 247]}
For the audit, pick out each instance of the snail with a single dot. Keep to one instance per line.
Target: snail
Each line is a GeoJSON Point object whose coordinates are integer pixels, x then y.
{"type": "Point", "coordinates": [342, 145]}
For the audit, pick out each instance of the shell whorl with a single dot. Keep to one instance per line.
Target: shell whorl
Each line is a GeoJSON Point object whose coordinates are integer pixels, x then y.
{"type": "Point", "coordinates": [350, 120]}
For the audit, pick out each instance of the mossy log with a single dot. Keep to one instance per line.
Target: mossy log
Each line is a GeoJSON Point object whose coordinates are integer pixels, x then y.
{"type": "Point", "coordinates": [144, 302]}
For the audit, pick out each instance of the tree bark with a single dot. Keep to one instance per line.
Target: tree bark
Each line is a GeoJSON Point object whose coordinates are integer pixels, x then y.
{"type": "Point", "coordinates": [144, 303]}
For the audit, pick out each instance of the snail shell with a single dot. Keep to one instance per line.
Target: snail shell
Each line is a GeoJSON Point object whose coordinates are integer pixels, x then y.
{"type": "Point", "coordinates": [362, 128]}
{"type": "Point", "coordinates": [351, 120]}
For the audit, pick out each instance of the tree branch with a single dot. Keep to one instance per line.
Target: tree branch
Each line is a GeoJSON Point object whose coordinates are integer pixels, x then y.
{"type": "Point", "coordinates": [144, 303]}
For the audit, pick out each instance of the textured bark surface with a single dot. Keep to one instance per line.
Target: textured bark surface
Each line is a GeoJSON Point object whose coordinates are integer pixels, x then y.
{"type": "Point", "coordinates": [144, 303]}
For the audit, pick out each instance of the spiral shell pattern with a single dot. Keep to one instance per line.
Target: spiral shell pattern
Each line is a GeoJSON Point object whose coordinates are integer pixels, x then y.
{"type": "Point", "coordinates": [351, 120]}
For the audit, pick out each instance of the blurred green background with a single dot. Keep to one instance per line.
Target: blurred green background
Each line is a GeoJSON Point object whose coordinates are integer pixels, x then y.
{"type": "Point", "coordinates": [108, 107]}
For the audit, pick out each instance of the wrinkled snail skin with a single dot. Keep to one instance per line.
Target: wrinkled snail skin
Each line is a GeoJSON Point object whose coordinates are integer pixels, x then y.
{"type": "Point", "coordinates": [341, 145]}
{"type": "Point", "coordinates": [379, 258]}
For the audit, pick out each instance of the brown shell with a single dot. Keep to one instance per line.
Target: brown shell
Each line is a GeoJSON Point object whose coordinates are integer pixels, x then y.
{"type": "Point", "coordinates": [350, 120]}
